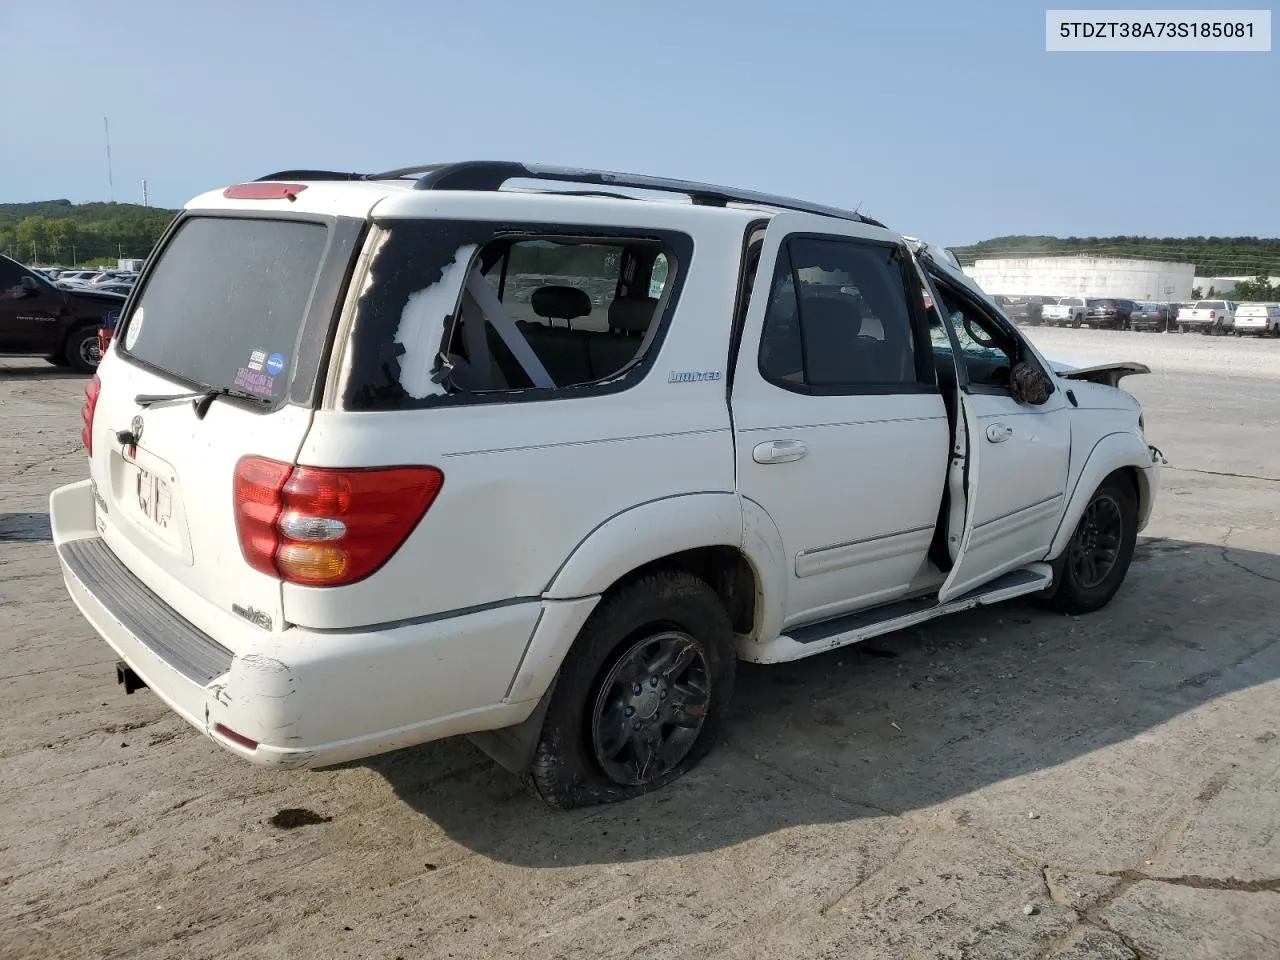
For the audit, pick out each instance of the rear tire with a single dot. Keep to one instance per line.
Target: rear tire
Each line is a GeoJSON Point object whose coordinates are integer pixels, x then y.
{"type": "Point", "coordinates": [82, 351]}
{"type": "Point", "coordinates": [641, 696]}
{"type": "Point", "coordinates": [1096, 560]}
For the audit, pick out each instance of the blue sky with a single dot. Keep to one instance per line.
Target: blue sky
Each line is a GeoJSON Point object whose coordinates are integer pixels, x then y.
{"type": "Point", "coordinates": [946, 120]}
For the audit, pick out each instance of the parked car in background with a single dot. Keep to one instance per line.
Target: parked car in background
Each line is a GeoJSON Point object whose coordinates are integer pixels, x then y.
{"type": "Point", "coordinates": [1065, 312]}
{"type": "Point", "coordinates": [76, 277]}
{"type": "Point", "coordinates": [42, 319]}
{"type": "Point", "coordinates": [1022, 309]}
{"type": "Point", "coordinates": [1108, 313]}
{"type": "Point", "coordinates": [115, 286]}
{"type": "Point", "coordinates": [1151, 316]}
{"type": "Point", "coordinates": [1257, 319]}
{"type": "Point", "coordinates": [107, 331]}
{"type": "Point", "coordinates": [1211, 317]}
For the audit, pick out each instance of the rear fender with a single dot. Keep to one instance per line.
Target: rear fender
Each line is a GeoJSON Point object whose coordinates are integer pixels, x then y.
{"type": "Point", "coordinates": [635, 538]}
{"type": "Point", "coordinates": [1115, 451]}
{"type": "Point", "coordinates": [643, 534]}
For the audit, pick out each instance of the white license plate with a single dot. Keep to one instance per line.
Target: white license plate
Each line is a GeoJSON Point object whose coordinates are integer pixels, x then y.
{"type": "Point", "coordinates": [154, 500]}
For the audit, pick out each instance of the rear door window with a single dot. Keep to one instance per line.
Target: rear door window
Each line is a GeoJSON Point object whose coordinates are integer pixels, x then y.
{"type": "Point", "coordinates": [225, 304]}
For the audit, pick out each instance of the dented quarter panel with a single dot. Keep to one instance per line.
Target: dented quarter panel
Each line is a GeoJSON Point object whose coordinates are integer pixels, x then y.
{"type": "Point", "coordinates": [1104, 437]}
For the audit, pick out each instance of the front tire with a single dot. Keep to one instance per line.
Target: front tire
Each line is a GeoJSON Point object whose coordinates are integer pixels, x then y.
{"type": "Point", "coordinates": [1093, 566]}
{"type": "Point", "coordinates": [641, 696]}
{"type": "Point", "coordinates": [82, 351]}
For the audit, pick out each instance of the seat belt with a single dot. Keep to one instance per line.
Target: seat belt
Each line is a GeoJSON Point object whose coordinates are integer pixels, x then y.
{"type": "Point", "coordinates": [506, 328]}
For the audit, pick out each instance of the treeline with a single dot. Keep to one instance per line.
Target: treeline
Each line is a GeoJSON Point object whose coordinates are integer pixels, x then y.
{"type": "Point", "coordinates": [59, 232]}
{"type": "Point", "coordinates": [1212, 256]}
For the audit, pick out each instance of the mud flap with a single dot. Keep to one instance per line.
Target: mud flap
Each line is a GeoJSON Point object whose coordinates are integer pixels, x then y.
{"type": "Point", "coordinates": [512, 748]}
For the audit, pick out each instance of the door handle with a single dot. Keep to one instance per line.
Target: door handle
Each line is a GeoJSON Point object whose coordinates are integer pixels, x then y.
{"type": "Point", "coordinates": [779, 451]}
{"type": "Point", "coordinates": [999, 432]}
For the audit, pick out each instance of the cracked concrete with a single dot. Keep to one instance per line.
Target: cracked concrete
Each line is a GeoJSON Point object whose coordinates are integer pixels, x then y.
{"type": "Point", "coordinates": [1116, 773]}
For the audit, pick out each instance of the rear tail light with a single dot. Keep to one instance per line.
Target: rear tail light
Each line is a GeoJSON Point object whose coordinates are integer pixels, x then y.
{"type": "Point", "coordinates": [323, 527]}
{"type": "Point", "coordinates": [87, 410]}
{"type": "Point", "coordinates": [1213, 314]}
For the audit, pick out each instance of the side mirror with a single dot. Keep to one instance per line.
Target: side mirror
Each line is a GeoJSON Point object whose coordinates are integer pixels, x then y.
{"type": "Point", "coordinates": [1028, 385]}
{"type": "Point", "coordinates": [30, 284]}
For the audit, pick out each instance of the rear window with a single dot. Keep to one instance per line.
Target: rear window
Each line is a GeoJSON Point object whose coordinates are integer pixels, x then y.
{"type": "Point", "coordinates": [1211, 305]}
{"type": "Point", "coordinates": [226, 302]}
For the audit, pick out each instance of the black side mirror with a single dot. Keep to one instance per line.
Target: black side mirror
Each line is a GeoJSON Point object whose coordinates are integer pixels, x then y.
{"type": "Point", "coordinates": [1029, 385]}
{"type": "Point", "coordinates": [30, 284]}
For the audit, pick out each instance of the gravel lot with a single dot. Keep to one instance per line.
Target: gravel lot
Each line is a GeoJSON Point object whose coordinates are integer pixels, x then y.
{"type": "Point", "coordinates": [1005, 784]}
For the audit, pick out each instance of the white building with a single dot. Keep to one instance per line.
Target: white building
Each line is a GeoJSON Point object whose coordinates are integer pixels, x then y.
{"type": "Point", "coordinates": [1085, 277]}
{"type": "Point", "coordinates": [1224, 286]}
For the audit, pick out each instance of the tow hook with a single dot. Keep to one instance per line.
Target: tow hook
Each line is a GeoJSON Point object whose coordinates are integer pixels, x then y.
{"type": "Point", "coordinates": [1156, 455]}
{"type": "Point", "coordinates": [127, 678]}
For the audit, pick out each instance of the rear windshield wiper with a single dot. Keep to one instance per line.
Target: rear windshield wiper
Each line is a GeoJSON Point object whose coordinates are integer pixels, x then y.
{"type": "Point", "coordinates": [201, 398]}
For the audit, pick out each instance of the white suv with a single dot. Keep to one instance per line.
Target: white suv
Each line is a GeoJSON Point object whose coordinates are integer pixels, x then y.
{"type": "Point", "coordinates": [376, 460]}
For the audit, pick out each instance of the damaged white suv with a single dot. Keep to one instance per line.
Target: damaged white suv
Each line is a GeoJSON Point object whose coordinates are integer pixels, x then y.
{"type": "Point", "coordinates": [536, 455]}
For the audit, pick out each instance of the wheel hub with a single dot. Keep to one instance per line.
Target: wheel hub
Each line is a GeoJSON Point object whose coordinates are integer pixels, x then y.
{"type": "Point", "coordinates": [1095, 546]}
{"type": "Point", "coordinates": [646, 705]}
{"type": "Point", "coordinates": [650, 707]}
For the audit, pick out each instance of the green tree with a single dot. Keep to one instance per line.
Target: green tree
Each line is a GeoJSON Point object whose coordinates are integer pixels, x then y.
{"type": "Point", "coordinates": [33, 237]}
{"type": "Point", "coordinates": [62, 238]}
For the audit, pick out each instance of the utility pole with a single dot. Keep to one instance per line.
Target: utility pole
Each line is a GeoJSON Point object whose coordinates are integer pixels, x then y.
{"type": "Point", "coordinates": [144, 193]}
{"type": "Point", "coordinates": [106, 136]}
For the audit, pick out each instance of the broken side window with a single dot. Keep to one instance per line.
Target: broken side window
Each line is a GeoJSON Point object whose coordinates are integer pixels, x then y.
{"type": "Point", "coordinates": [457, 311]}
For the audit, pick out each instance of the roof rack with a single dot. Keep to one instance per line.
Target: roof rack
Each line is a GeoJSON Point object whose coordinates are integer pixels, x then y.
{"type": "Point", "coordinates": [491, 175]}
{"type": "Point", "coordinates": [314, 175]}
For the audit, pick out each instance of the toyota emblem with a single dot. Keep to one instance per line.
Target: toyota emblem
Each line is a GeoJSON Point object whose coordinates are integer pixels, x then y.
{"type": "Point", "coordinates": [135, 427]}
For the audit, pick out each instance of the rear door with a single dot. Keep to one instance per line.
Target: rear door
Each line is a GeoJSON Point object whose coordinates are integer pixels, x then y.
{"type": "Point", "coordinates": [237, 303]}
{"type": "Point", "coordinates": [841, 432]}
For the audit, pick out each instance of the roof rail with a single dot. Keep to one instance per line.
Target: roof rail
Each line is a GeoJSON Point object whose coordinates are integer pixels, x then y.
{"type": "Point", "coordinates": [310, 175]}
{"type": "Point", "coordinates": [490, 175]}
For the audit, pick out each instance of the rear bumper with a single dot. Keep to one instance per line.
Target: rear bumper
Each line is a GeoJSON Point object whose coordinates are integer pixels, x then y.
{"type": "Point", "coordinates": [307, 698]}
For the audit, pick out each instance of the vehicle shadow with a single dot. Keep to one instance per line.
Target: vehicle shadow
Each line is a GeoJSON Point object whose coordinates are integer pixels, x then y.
{"type": "Point", "coordinates": [902, 722]}
{"type": "Point", "coordinates": [39, 370]}
{"type": "Point", "coordinates": [24, 527]}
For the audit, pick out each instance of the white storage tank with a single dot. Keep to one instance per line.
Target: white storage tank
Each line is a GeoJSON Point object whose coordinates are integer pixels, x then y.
{"type": "Point", "coordinates": [1085, 277]}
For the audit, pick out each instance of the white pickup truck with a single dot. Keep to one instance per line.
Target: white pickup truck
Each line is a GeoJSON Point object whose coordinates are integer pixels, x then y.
{"type": "Point", "coordinates": [1214, 317]}
{"type": "Point", "coordinates": [1066, 312]}
{"type": "Point", "coordinates": [1259, 319]}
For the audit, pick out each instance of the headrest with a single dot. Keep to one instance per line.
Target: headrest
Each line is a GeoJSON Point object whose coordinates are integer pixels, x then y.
{"type": "Point", "coordinates": [840, 314]}
{"type": "Point", "coordinates": [633, 314]}
{"type": "Point", "coordinates": [560, 303]}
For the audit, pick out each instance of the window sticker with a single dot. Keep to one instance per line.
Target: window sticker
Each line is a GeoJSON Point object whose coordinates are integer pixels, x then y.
{"type": "Point", "coordinates": [251, 381]}
{"type": "Point", "coordinates": [275, 364]}
{"type": "Point", "coordinates": [135, 328]}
